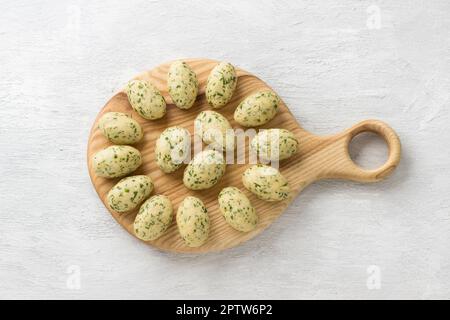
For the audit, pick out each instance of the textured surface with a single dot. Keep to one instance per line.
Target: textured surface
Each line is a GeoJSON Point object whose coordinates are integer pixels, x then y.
{"type": "Point", "coordinates": [334, 63]}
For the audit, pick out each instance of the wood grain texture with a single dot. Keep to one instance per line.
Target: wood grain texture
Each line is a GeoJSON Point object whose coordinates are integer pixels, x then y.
{"type": "Point", "coordinates": [317, 158]}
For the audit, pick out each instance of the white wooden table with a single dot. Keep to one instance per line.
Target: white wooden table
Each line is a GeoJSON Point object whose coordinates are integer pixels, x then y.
{"type": "Point", "coordinates": [333, 62]}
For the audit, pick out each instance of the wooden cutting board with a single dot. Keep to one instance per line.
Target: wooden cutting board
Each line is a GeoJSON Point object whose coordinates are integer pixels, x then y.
{"type": "Point", "coordinates": [318, 157]}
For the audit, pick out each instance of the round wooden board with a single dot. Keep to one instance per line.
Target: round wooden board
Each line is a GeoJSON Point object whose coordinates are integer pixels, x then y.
{"type": "Point", "coordinates": [317, 158]}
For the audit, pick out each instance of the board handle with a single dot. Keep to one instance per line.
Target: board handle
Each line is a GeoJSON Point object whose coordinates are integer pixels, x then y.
{"type": "Point", "coordinates": [346, 168]}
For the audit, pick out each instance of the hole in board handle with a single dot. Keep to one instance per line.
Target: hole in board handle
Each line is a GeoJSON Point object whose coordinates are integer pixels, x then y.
{"type": "Point", "coordinates": [368, 150]}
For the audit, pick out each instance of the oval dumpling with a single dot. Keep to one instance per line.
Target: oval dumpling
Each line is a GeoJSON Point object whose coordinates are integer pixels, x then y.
{"type": "Point", "coordinates": [146, 99]}
{"type": "Point", "coordinates": [221, 84]}
{"type": "Point", "coordinates": [153, 218]}
{"type": "Point", "coordinates": [193, 221]}
{"type": "Point", "coordinates": [129, 192]}
{"type": "Point", "coordinates": [172, 148]}
{"type": "Point", "coordinates": [257, 109]}
{"type": "Point", "coordinates": [182, 84]}
{"type": "Point", "coordinates": [237, 209]}
{"type": "Point", "coordinates": [205, 170]}
{"type": "Point", "coordinates": [266, 182]}
{"type": "Point", "coordinates": [274, 144]}
{"type": "Point", "coordinates": [116, 161]}
{"type": "Point", "coordinates": [119, 128]}
{"type": "Point", "coordinates": [215, 130]}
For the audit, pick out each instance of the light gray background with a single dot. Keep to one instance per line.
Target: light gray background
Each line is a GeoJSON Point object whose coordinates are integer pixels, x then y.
{"type": "Point", "coordinates": [333, 62]}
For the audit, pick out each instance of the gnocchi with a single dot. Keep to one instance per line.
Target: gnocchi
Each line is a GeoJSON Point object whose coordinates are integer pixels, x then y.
{"type": "Point", "coordinates": [129, 192]}
{"type": "Point", "coordinates": [172, 148]}
{"type": "Point", "coordinates": [146, 99]}
{"type": "Point", "coordinates": [274, 144]}
{"type": "Point", "coordinates": [257, 109]}
{"type": "Point", "coordinates": [119, 128]}
{"type": "Point", "coordinates": [266, 182]}
{"type": "Point", "coordinates": [204, 170]}
{"type": "Point", "coordinates": [221, 84]}
{"type": "Point", "coordinates": [183, 84]}
{"type": "Point", "coordinates": [193, 221]}
{"type": "Point", "coordinates": [237, 209]}
{"type": "Point", "coordinates": [116, 161]}
{"type": "Point", "coordinates": [153, 218]}
{"type": "Point", "coordinates": [215, 130]}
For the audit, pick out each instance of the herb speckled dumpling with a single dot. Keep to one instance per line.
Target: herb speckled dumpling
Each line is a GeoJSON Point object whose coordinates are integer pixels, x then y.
{"type": "Point", "coordinates": [257, 109]}
{"type": "Point", "coordinates": [129, 192]}
{"type": "Point", "coordinates": [116, 161]}
{"type": "Point", "coordinates": [172, 148]}
{"type": "Point", "coordinates": [266, 183]}
{"type": "Point", "coordinates": [221, 84]}
{"type": "Point", "coordinates": [146, 99]}
{"type": "Point", "coordinates": [205, 170]}
{"type": "Point", "coordinates": [182, 84]}
{"type": "Point", "coordinates": [274, 144]}
{"type": "Point", "coordinates": [119, 128]}
{"type": "Point", "coordinates": [193, 221]}
{"type": "Point", "coordinates": [153, 219]}
{"type": "Point", "coordinates": [215, 130]}
{"type": "Point", "coordinates": [237, 209]}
